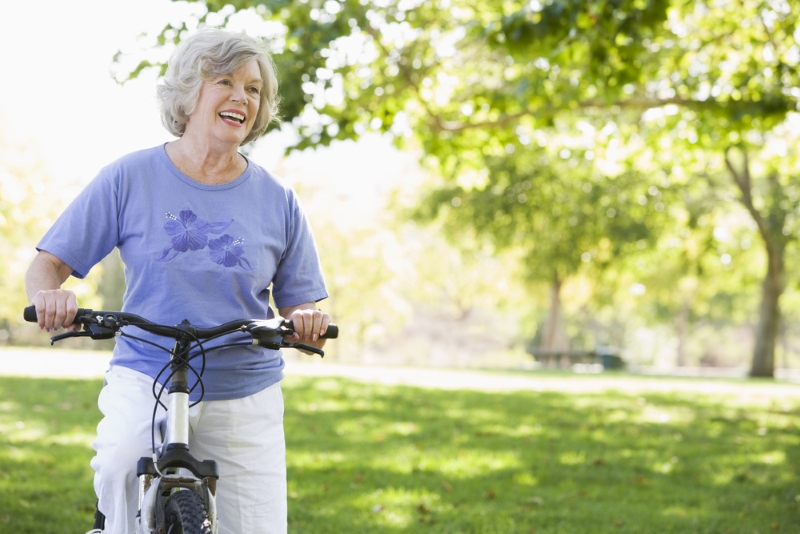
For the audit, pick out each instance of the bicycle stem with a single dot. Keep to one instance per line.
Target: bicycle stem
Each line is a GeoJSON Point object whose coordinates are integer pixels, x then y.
{"type": "Point", "coordinates": [178, 411]}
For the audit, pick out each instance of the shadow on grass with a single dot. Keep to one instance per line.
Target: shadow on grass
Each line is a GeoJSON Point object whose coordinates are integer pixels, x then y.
{"type": "Point", "coordinates": [46, 430]}
{"type": "Point", "coordinates": [366, 458]}
{"type": "Point", "coordinates": [370, 458]}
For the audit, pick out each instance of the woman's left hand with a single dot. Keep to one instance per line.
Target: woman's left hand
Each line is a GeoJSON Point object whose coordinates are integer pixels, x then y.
{"type": "Point", "coordinates": [308, 322]}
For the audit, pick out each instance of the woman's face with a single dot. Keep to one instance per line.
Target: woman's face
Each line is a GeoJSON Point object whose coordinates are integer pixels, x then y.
{"type": "Point", "coordinates": [227, 107]}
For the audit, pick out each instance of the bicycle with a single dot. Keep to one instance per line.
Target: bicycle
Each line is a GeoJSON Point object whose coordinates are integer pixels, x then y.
{"type": "Point", "coordinates": [177, 492]}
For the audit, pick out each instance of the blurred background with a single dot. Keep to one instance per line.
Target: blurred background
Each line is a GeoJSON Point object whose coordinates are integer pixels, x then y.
{"type": "Point", "coordinates": [492, 184]}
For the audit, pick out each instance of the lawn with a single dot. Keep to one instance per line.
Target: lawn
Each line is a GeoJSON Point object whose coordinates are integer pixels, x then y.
{"type": "Point", "coordinates": [371, 458]}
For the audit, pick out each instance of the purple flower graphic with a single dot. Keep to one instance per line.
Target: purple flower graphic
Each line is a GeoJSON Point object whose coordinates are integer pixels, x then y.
{"type": "Point", "coordinates": [187, 232]}
{"type": "Point", "coordinates": [228, 252]}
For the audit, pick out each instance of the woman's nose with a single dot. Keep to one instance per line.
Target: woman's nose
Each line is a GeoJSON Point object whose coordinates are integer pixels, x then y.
{"type": "Point", "coordinates": [239, 94]}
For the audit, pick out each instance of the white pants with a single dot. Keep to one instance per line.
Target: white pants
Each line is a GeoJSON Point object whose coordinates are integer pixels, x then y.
{"type": "Point", "coordinates": [244, 436]}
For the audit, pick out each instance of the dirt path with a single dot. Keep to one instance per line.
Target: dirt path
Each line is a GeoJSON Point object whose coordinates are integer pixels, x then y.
{"type": "Point", "coordinates": [497, 381]}
{"type": "Point", "coordinates": [77, 364]}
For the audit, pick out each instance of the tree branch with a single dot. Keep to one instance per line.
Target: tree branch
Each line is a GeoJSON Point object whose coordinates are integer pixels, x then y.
{"type": "Point", "coordinates": [376, 37]}
{"type": "Point", "coordinates": [744, 183]}
{"type": "Point", "coordinates": [643, 104]}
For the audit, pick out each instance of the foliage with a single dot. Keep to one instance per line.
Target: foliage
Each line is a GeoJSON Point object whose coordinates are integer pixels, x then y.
{"type": "Point", "coordinates": [380, 269]}
{"type": "Point", "coordinates": [453, 68]}
{"type": "Point", "coordinates": [690, 83]}
{"type": "Point", "coordinates": [26, 211]}
{"type": "Point", "coordinates": [372, 458]}
{"type": "Point", "coordinates": [30, 201]}
{"type": "Point", "coordinates": [554, 207]}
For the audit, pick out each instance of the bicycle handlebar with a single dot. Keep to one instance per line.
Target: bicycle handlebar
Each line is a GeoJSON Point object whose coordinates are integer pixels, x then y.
{"type": "Point", "coordinates": [115, 320]}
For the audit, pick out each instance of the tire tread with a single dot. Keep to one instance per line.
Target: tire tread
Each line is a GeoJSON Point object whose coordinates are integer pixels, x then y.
{"type": "Point", "coordinates": [185, 510]}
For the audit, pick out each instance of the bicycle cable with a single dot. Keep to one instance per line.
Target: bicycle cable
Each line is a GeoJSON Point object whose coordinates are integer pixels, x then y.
{"type": "Point", "coordinates": [156, 381]}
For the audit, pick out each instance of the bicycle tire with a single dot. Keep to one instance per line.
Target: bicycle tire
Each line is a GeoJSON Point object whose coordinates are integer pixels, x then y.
{"type": "Point", "coordinates": [186, 514]}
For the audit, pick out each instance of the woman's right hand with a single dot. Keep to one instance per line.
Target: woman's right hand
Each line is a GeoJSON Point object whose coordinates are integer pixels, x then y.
{"type": "Point", "coordinates": [55, 308]}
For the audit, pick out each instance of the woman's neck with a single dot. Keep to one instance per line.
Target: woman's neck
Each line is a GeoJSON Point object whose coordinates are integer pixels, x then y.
{"type": "Point", "coordinates": [204, 164]}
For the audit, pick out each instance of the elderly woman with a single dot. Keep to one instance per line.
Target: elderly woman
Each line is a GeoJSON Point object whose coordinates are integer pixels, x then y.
{"type": "Point", "coordinates": [205, 235]}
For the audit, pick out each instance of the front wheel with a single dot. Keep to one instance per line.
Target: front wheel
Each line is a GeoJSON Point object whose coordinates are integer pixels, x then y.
{"type": "Point", "coordinates": [186, 514]}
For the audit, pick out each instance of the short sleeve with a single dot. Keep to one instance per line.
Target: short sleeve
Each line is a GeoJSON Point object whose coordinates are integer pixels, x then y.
{"type": "Point", "coordinates": [88, 230]}
{"type": "Point", "coordinates": [298, 278]}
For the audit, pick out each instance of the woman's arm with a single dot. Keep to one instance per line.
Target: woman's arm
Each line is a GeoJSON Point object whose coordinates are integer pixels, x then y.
{"type": "Point", "coordinates": [309, 323]}
{"type": "Point", "coordinates": [55, 307]}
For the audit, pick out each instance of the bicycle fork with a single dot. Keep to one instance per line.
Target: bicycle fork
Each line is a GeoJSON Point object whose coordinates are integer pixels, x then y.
{"type": "Point", "coordinates": [175, 469]}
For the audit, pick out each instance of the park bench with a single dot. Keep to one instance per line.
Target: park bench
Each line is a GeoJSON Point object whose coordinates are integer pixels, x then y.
{"type": "Point", "coordinates": [569, 358]}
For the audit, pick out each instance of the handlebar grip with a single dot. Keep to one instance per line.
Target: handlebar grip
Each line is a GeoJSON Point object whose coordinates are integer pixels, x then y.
{"type": "Point", "coordinates": [332, 332]}
{"type": "Point", "coordinates": [29, 314]}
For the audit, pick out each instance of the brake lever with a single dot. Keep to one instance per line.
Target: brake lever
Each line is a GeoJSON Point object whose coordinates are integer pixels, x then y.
{"type": "Point", "coordinates": [302, 347]}
{"type": "Point", "coordinates": [271, 334]}
{"type": "Point", "coordinates": [65, 335]}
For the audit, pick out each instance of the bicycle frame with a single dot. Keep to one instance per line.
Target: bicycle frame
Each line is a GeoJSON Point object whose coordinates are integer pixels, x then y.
{"type": "Point", "coordinates": [162, 475]}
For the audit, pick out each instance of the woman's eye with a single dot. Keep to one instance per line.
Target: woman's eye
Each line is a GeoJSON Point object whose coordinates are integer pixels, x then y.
{"type": "Point", "coordinates": [224, 82]}
{"type": "Point", "coordinates": [254, 90]}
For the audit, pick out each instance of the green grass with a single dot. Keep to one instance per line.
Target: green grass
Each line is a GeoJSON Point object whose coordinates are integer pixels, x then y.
{"type": "Point", "coordinates": [46, 433]}
{"type": "Point", "coordinates": [370, 458]}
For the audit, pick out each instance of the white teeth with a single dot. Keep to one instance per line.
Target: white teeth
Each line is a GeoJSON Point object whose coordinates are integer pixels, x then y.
{"type": "Point", "coordinates": [236, 116]}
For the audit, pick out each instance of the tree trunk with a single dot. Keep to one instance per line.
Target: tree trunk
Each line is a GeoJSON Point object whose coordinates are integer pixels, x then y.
{"type": "Point", "coordinates": [554, 337]}
{"type": "Point", "coordinates": [769, 316]}
{"type": "Point", "coordinates": [770, 222]}
{"type": "Point", "coordinates": [683, 333]}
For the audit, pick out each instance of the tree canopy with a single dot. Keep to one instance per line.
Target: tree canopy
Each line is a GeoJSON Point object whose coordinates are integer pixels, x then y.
{"type": "Point", "coordinates": [693, 94]}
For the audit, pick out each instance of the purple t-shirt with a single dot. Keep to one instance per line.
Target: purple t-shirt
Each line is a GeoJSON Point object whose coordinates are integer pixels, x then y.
{"type": "Point", "coordinates": [206, 253]}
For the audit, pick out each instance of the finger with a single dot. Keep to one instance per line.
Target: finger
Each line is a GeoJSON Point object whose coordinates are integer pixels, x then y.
{"type": "Point", "coordinates": [326, 320]}
{"type": "Point", "coordinates": [308, 324]}
{"type": "Point", "coordinates": [49, 313]}
{"type": "Point", "coordinates": [298, 323]}
{"type": "Point", "coordinates": [41, 311]}
{"type": "Point", "coordinates": [316, 325]}
{"type": "Point", "coordinates": [71, 311]}
{"type": "Point", "coordinates": [61, 313]}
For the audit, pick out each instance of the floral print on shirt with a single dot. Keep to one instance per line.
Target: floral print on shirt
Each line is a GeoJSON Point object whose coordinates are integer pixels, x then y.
{"type": "Point", "coordinates": [188, 232]}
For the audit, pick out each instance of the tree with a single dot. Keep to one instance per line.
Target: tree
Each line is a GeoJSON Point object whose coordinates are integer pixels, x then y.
{"type": "Point", "coordinates": [27, 208]}
{"type": "Point", "coordinates": [729, 89]}
{"type": "Point", "coordinates": [463, 78]}
{"type": "Point", "coordinates": [552, 205]}
{"type": "Point", "coordinates": [384, 275]}
{"type": "Point", "coordinates": [723, 88]}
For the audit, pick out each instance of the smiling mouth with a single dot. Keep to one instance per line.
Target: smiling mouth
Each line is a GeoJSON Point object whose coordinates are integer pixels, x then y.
{"type": "Point", "coordinates": [235, 117]}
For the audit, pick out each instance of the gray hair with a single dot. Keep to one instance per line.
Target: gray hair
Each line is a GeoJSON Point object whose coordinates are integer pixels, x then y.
{"type": "Point", "coordinates": [204, 56]}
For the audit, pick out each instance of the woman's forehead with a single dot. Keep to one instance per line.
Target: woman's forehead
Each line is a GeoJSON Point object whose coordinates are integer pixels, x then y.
{"type": "Point", "coordinates": [250, 70]}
